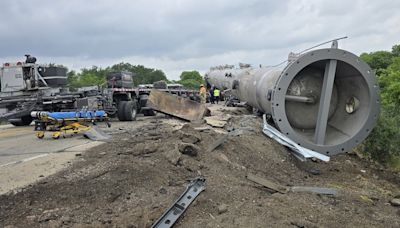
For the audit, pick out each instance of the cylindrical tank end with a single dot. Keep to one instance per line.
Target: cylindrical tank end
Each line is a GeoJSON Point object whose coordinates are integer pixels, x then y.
{"type": "Point", "coordinates": [345, 99]}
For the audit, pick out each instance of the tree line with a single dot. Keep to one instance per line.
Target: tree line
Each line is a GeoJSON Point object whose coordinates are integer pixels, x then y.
{"type": "Point", "coordinates": [383, 144]}
{"type": "Point", "coordinates": [142, 75]}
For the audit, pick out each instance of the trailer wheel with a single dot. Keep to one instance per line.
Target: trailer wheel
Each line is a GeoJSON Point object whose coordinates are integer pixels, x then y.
{"type": "Point", "coordinates": [120, 110]}
{"type": "Point", "coordinates": [130, 111]}
{"type": "Point", "coordinates": [149, 112]}
{"type": "Point", "coordinates": [40, 134]}
{"type": "Point", "coordinates": [23, 121]}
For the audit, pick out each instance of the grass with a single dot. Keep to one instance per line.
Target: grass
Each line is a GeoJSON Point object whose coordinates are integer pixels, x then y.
{"type": "Point", "coordinates": [394, 163]}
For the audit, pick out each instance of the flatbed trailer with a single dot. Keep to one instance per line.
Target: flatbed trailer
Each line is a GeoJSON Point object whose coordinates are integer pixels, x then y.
{"type": "Point", "coordinates": [28, 86]}
{"type": "Point", "coordinates": [126, 103]}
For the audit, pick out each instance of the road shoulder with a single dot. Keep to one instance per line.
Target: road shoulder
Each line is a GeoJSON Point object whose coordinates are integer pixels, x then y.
{"type": "Point", "coordinates": [18, 174]}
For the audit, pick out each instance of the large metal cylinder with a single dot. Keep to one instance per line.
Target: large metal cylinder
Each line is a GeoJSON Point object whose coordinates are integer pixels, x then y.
{"type": "Point", "coordinates": [326, 100]}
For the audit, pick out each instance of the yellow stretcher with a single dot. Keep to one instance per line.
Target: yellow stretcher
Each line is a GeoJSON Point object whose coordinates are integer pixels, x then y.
{"type": "Point", "coordinates": [69, 128]}
{"type": "Point", "coordinates": [66, 123]}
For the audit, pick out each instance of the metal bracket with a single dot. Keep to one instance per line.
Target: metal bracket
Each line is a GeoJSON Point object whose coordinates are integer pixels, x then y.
{"type": "Point", "coordinates": [39, 76]}
{"type": "Point", "coordinates": [298, 151]}
{"type": "Point", "coordinates": [168, 219]}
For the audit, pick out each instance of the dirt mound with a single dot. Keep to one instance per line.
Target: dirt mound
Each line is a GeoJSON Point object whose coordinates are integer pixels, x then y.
{"type": "Point", "coordinates": [132, 180]}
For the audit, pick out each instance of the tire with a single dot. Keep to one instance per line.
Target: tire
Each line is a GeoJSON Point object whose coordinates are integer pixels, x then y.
{"type": "Point", "coordinates": [23, 121]}
{"type": "Point", "coordinates": [130, 111]}
{"type": "Point", "coordinates": [149, 112]}
{"type": "Point", "coordinates": [120, 110]}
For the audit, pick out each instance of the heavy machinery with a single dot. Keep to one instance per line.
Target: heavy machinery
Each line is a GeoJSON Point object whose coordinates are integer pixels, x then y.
{"type": "Point", "coordinates": [28, 86]}
{"type": "Point", "coordinates": [126, 103]}
{"type": "Point", "coordinates": [326, 100]}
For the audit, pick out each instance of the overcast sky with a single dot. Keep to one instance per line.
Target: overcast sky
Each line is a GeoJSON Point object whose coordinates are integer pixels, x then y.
{"type": "Point", "coordinates": [177, 35]}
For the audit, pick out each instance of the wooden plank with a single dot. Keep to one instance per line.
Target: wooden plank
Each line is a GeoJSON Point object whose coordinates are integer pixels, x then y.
{"type": "Point", "coordinates": [217, 143]}
{"type": "Point", "coordinates": [266, 183]}
{"type": "Point", "coordinates": [317, 190]}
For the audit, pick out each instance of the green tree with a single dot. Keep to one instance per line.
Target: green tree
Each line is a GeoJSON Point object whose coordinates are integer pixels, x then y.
{"type": "Point", "coordinates": [73, 79]}
{"type": "Point", "coordinates": [396, 50]}
{"type": "Point", "coordinates": [154, 76]}
{"type": "Point", "coordinates": [142, 75]}
{"type": "Point", "coordinates": [195, 75]}
{"type": "Point", "coordinates": [190, 83]}
{"type": "Point", "coordinates": [191, 79]}
{"type": "Point", "coordinates": [378, 60]}
{"type": "Point", "coordinates": [383, 144]}
{"type": "Point", "coordinates": [389, 82]}
{"type": "Point", "coordinates": [97, 76]}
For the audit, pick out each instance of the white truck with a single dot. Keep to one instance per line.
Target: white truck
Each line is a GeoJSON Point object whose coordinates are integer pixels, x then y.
{"type": "Point", "coordinates": [28, 86]}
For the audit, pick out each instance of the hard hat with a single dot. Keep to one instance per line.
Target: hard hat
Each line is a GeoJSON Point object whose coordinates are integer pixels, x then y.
{"type": "Point", "coordinates": [201, 85]}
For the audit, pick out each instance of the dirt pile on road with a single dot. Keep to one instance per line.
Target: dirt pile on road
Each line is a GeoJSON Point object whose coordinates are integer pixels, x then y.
{"type": "Point", "coordinates": [133, 179]}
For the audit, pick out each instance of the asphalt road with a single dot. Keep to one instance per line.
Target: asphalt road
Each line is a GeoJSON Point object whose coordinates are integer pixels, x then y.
{"type": "Point", "coordinates": [20, 143]}
{"type": "Point", "coordinates": [25, 159]}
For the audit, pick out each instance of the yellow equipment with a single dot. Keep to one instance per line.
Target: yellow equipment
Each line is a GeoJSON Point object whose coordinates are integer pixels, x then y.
{"type": "Point", "coordinates": [63, 123]}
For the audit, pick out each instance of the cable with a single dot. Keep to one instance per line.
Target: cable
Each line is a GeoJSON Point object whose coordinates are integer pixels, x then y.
{"type": "Point", "coordinates": [305, 50]}
{"type": "Point", "coordinates": [341, 38]}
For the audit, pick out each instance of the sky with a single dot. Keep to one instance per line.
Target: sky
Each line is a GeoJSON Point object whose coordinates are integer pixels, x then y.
{"type": "Point", "coordinates": [179, 35]}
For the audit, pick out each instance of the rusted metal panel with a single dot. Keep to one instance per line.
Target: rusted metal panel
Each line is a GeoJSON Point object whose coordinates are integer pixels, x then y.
{"type": "Point", "coordinates": [176, 106]}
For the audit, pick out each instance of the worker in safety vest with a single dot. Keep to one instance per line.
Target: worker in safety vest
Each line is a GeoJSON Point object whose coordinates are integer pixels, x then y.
{"type": "Point", "coordinates": [212, 95]}
{"type": "Point", "coordinates": [216, 95]}
{"type": "Point", "coordinates": [203, 94]}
